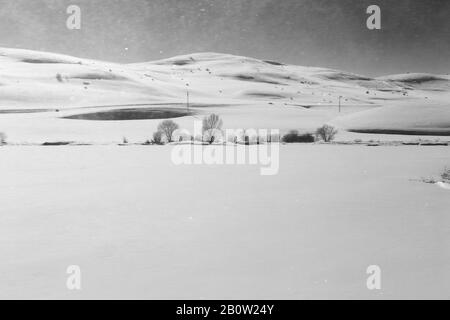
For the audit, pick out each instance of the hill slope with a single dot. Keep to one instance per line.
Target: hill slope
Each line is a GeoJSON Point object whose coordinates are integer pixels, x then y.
{"type": "Point", "coordinates": [44, 95]}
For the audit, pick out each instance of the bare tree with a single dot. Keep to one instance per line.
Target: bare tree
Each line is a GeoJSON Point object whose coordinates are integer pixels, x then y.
{"type": "Point", "coordinates": [326, 133]}
{"type": "Point", "coordinates": [167, 128]}
{"type": "Point", "coordinates": [212, 127]}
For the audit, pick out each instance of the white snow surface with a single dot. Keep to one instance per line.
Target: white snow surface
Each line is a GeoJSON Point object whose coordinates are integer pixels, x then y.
{"type": "Point", "coordinates": [140, 227]}
{"type": "Point", "coordinates": [443, 185]}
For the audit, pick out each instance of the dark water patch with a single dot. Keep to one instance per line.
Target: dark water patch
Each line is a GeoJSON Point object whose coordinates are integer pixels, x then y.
{"type": "Point", "coordinates": [389, 90]}
{"type": "Point", "coordinates": [243, 77]}
{"type": "Point", "coordinates": [18, 111]}
{"type": "Point", "coordinates": [182, 62]}
{"type": "Point", "coordinates": [57, 143]}
{"type": "Point", "coordinates": [179, 62]}
{"type": "Point", "coordinates": [432, 144]}
{"type": "Point", "coordinates": [97, 76]}
{"type": "Point", "coordinates": [265, 95]}
{"type": "Point", "coordinates": [274, 63]}
{"type": "Point", "coordinates": [343, 76]}
{"type": "Point", "coordinates": [133, 114]}
{"type": "Point", "coordinates": [422, 79]}
{"type": "Point", "coordinates": [155, 105]}
{"type": "Point", "coordinates": [47, 61]}
{"type": "Point", "coordinates": [417, 132]}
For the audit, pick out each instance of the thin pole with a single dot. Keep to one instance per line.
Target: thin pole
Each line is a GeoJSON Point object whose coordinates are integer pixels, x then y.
{"type": "Point", "coordinates": [340, 97]}
{"type": "Point", "coordinates": [187, 100]}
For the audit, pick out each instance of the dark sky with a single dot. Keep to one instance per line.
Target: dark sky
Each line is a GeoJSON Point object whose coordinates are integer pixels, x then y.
{"type": "Point", "coordinates": [328, 33]}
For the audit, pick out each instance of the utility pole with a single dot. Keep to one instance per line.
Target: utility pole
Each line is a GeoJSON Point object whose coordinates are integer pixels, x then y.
{"type": "Point", "coordinates": [187, 100]}
{"type": "Point", "coordinates": [340, 97]}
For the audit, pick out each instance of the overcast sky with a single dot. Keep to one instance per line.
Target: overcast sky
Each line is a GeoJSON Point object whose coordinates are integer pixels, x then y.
{"type": "Point", "coordinates": [328, 33]}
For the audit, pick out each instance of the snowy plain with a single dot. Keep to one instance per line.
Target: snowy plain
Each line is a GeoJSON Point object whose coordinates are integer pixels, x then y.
{"type": "Point", "coordinates": [141, 227]}
{"type": "Point", "coordinates": [309, 232]}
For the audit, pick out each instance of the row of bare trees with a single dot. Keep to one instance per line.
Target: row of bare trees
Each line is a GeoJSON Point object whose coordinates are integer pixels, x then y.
{"type": "Point", "coordinates": [212, 128]}
{"type": "Point", "coordinates": [167, 128]}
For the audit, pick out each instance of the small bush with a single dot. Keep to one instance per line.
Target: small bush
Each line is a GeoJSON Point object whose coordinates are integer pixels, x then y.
{"type": "Point", "coordinates": [157, 138]}
{"type": "Point", "coordinates": [2, 138]}
{"type": "Point", "coordinates": [293, 137]}
{"type": "Point", "coordinates": [326, 133]}
{"type": "Point", "coordinates": [273, 138]}
{"type": "Point", "coordinates": [59, 77]}
{"type": "Point", "coordinates": [446, 175]}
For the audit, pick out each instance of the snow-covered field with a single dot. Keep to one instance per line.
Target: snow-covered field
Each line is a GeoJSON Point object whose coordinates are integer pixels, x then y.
{"type": "Point", "coordinates": [141, 227]}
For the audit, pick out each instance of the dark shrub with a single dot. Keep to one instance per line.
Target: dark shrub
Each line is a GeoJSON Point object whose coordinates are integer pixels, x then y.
{"type": "Point", "coordinates": [446, 175]}
{"type": "Point", "coordinates": [157, 137]}
{"type": "Point", "coordinates": [294, 137]}
{"type": "Point", "coordinates": [59, 77]}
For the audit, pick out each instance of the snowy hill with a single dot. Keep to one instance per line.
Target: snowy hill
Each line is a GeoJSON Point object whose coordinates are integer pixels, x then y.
{"type": "Point", "coordinates": [47, 96]}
